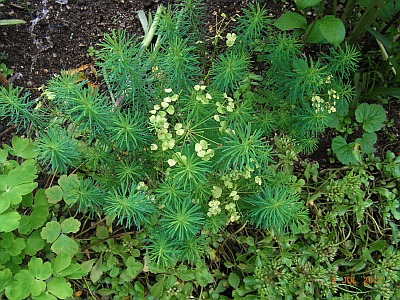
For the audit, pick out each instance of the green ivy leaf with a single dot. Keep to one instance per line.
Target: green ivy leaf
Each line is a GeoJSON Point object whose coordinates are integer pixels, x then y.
{"type": "Point", "coordinates": [371, 116]}
{"type": "Point", "coordinates": [51, 232]}
{"type": "Point", "coordinates": [9, 221]}
{"type": "Point", "coordinates": [332, 29]}
{"type": "Point", "coordinates": [234, 280]}
{"type": "Point", "coordinates": [343, 151]}
{"type": "Point", "coordinates": [65, 244]}
{"type": "Point", "coordinates": [302, 4]}
{"type": "Point", "coordinates": [59, 287]}
{"type": "Point", "coordinates": [70, 225]}
{"type": "Point", "coordinates": [290, 20]}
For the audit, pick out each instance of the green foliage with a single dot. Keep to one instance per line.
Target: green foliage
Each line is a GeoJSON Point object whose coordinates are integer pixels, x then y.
{"type": "Point", "coordinates": [182, 220]}
{"type": "Point", "coordinates": [57, 150]}
{"type": "Point", "coordinates": [190, 174]}
{"type": "Point", "coordinates": [129, 206]}
{"type": "Point", "coordinates": [274, 208]}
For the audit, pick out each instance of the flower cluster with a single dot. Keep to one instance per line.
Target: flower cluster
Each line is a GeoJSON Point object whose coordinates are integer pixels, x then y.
{"type": "Point", "coordinates": [202, 150]}
{"type": "Point", "coordinates": [159, 121]}
{"type": "Point", "coordinates": [320, 105]}
{"type": "Point", "coordinates": [222, 109]}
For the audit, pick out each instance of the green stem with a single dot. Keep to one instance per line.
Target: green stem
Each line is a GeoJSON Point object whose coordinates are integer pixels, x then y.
{"type": "Point", "coordinates": [348, 11]}
{"type": "Point", "coordinates": [153, 28]}
{"type": "Point", "coordinates": [366, 19]}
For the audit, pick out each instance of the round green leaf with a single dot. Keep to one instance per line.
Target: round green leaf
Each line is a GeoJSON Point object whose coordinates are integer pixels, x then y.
{"type": "Point", "coordinates": [332, 29]}
{"type": "Point", "coordinates": [54, 194]}
{"type": "Point", "coordinates": [371, 116]}
{"type": "Point", "coordinates": [9, 221]}
{"type": "Point", "coordinates": [4, 203]}
{"type": "Point", "coordinates": [51, 232]}
{"type": "Point", "coordinates": [290, 20]}
{"type": "Point", "coordinates": [59, 287]}
{"type": "Point", "coordinates": [343, 151]}
{"type": "Point", "coordinates": [70, 225]}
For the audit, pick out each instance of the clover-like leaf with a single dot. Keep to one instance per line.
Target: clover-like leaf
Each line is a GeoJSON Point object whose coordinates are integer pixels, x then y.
{"type": "Point", "coordinates": [371, 116]}
{"type": "Point", "coordinates": [70, 225]}
{"type": "Point", "coordinates": [133, 267]}
{"type": "Point", "coordinates": [65, 244]}
{"type": "Point", "coordinates": [51, 232]}
{"type": "Point", "coordinates": [343, 151]}
{"type": "Point", "coordinates": [9, 221]}
{"type": "Point", "coordinates": [5, 276]}
{"type": "Point", "coordinates": [54, 194]}
{"type": "Point", "coordinates": [4, 203]}
{"type": "Point", "coordinates": [59, 287]}
{"type": "Point", "coordinates": [61, 262]}
{"type": "Point", "coordinates": [39, 269]}
{"type": "Point", "coordinates": [22, 147]}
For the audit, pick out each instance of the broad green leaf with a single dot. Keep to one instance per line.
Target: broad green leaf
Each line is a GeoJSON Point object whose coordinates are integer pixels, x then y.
{"type": "Point", "coordinates": [97, 270]}
{"type": "Point", "coordinates": [4, 203]}
{"type": "Point", "coordinates": [54, 194]}
{"type": "Point", "coordinates": [9, 221]}
{"type": "Point", "coordinates": [22, 147]}
{"type": "Point", "coordinates": [102, 232]}
{"type": "Point", "coordinates": [21, 287]}
{"type": "Point", "coordinates": [16, 247]}
{"type": "Point", "coordinates": [371, 116]}
{"type": "Point", "coordinates": [59, 287]}
{"type": "Point", "coordinates": [332, 29]}
{"type": "Point", "coordinates": [65, 244]}
{"type": "Point", "coordinates": [60, 262]}
{"type": "Point", "coordinates": [70, 225]}
{"type": "Point", "coordinates": [290, 20]}
{"type": "Point", "coordinates": [314, 33]}
{"type": "Point", "coordinates": [234, 280]}
{"type": "Point", "coordinates": [38, 216]}
{"type": "Point", "coordinates": [367, 142]}
{"type": "Point", "coordinates": [67, 183]}
{"type": "Point", "coordinates": [51, 232]}
{"type": "Point", "coordinates": [39, 269]}
{"type": "Point", "coordinates": [3, 155]}
{"type": "Point", "coordinates": [302, 4]}
{"type": "Point", "coordinates": [157, 290]}
{"type": "Point", "coordinates": [5, 276]}
{"type": "Point", "coordinates": [24, 174]}
{"type": "Point", "coordinates": [343, 151]}
{"type": "Point", "coordinates": [34, 243]}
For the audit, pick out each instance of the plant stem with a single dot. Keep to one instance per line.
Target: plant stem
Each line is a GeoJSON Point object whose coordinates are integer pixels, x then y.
{"type": "Point", "coordinates": [366, 19]}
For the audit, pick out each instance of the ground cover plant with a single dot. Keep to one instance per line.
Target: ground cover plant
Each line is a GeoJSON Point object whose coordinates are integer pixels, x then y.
{"type": "Point", "coordinates": [187, 172]}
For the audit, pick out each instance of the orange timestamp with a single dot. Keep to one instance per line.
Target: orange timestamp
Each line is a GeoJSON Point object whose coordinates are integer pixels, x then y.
{"type": "Point", "coordinates": [359, 281]}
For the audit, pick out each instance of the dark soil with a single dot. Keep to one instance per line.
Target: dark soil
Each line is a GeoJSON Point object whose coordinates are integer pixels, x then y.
{"type": "Point", "coordinates": [59, 33]}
